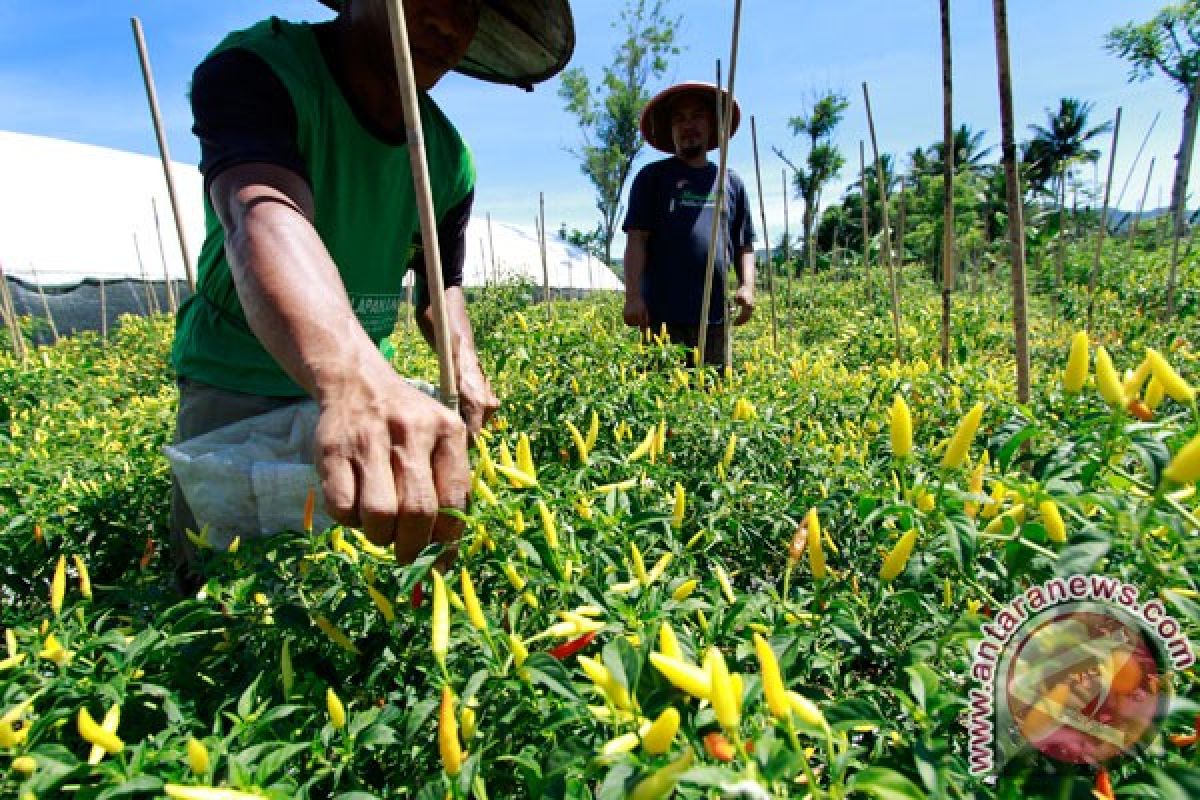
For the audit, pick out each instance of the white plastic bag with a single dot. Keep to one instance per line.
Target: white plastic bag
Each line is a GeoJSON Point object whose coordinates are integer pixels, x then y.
{"type": "Point", "coordinates": [252, 478]}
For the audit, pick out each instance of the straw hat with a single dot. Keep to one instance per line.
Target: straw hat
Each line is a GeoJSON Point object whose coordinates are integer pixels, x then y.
{"type": "Point", "coordinates": [518, 42]}
{"type": "Point", "coordinates": [656, 116]}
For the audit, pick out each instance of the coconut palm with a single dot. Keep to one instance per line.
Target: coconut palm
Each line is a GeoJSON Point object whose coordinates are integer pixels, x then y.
{"type": "Point", "coordinates": [1061, 144]}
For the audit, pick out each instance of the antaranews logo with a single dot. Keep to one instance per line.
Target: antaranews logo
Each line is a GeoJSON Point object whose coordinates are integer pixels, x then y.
{"type": "Point", "coordinates": [1076, 668]}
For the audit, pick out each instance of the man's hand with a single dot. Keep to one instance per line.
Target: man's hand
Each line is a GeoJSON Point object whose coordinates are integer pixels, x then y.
{"type": "Point", "coordinates": [636, 315]}
{"type": "Point", "coordinates": [744, 300]}
{"type": "Point", "coordinates": [389, 457]}
{"type": "Point", "coordinates": [476, 400]}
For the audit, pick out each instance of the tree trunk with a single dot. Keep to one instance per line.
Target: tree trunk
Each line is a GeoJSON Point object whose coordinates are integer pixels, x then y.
{"type": "Point", "coordinates": [1183, 163]}
{"type": "Point", "coordinates": [947, 181]}
{"type": "Point", "coordinates": [810, 252]}
{"type": "Point", "coordinates": [1016, 216]}
{"type": "Point", "coordinates": [787, 248]}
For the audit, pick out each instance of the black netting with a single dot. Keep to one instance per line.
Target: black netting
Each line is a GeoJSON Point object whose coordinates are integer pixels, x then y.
{"type": "Point", "coordinates": [78, 307]}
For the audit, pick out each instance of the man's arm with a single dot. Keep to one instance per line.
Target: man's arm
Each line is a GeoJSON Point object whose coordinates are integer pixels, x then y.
{"type": "Point", "coordinates": [635, 313]}
{"type": "Point", "coordinates": [477, 401]}
{"type": "Point", "coordinates": [388, 455]}
{"type": "Point", "coordinates": [743, 298]}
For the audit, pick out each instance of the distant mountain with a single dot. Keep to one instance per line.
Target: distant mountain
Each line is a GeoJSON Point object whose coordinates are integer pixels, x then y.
{"type": "Point", "coordinates": [1119, 221]}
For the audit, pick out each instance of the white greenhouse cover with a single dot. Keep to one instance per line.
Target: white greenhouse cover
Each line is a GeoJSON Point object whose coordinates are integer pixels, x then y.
{"type": "Point", "coordinates": [70, 211]}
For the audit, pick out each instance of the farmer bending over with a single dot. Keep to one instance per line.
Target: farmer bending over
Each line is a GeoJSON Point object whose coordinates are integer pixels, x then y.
{"type": "Point", "coordinates": [311, 225]}
{"type": "Point", "coordinates": [669, 225]}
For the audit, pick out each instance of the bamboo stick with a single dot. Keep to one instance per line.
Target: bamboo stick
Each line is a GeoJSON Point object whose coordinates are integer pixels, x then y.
{"type": "Point", "coordinates": [1016, 213]}
{"type": "Point", "coordinates": [720, 243]}
{"type": "Point", "coordinates": [787, 251]}
{"type": "Point", "coordinates": [10, 317]}
{"type": "Point", "coordinates": [948, 238]}
{"type": "Point", "coordinates": [723, 143]}
{"type": "Point", "coordinates": [103, 313]}
{"type": "Point", "coordinates": [1103, 228]}
{"type": "Point", "coordinates": [885, 234]}
{"type": "Point", "coordinates": [762, 210]}
{"type": "Point", "coordinates": [162, 254]}
{"type": "Point", "coordinates": [156, 116]}
{"type": "Point", "coordinates": [151, 295]}
{"type": "Point", "coordinates": [542, 249]}
{"type": "Point", "coordinates": [1136, 160]}
{"type": "Point", "coordinates": [866, 231]}
{"type": "Point", "coordinates": [45, 304]}
{"type": "Point", "coordinates": [492, 250]}
{"type": "Point", "coordinates": [1133, 225]}
{"type": "Point", "coordinates": [415, 137]}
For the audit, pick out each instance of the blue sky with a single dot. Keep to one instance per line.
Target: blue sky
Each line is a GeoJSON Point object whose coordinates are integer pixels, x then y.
{"type": "Point", "coordinates": [68, 69]}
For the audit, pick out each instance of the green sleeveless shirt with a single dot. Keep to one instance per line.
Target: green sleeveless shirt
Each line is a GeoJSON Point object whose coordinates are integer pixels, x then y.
{"type": "Point", "coordinates": [366, 215]}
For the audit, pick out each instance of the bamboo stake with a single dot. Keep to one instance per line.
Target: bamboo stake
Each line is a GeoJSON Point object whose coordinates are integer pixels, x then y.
{"type": "Point", "coordinates": [483, 263]}
{"type": "Point", "coordinates": [45, 303]}
{"type": "Point", "coordinates": [787, 251]}
{"type": "Point", "coordinates": [162, 254]}
{"type": "Point", "coordinates": [1016, 214]}
{"type": "Point", "coordinates": [1112, 158]}
{"type": "Point", "coordinates": [885, 233]}
{"type": "Point", "coordinates": [902, 224]}
{"type": "Point", "coordinates": [103, 313]}
{"type": "Point", "coordinates": [415, 137]}
{"type": "Point", "coordinates": [492, 250]}
{"type": "Point", "coordinates": [866, 231]}
{"type": "Point", "coordinates": [1136, 160]}
{"type": "Point", "coordinates": [762, 210]}
{"type": "Point", "coordinates": [948, 237]}
{"type": "Point", "coordinates": [542, 249]}
{"type": "Point", "coordinates": [1133, 225]}
{"type": "Point", "coordinates": [156, 116]}
{"type": "Point", "coordinates": [10, 317]}
{"type": "Point", "coordinates": [151, 295]}
{"type": "Point", "coordinates": [720, 243]}
{"type": "Point", "coordinates": [723, 143]}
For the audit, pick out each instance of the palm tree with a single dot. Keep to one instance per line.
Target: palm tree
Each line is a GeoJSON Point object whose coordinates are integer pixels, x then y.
{"type": "Point", "coordinates": [969, 152]}
{"type": "Point", "coordinates": [1061, 144]}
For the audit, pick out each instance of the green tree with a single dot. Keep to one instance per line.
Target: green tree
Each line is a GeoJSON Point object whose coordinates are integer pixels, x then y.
{"type": "Point", "coordinates": [824, 161]}
{"type": "Point", "coordinates": [608, 113]}
{"type": "Point", "coordinates": [1060, 144]}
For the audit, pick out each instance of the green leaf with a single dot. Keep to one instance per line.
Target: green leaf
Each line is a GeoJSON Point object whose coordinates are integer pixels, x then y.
{"type": "Point", "coordinates": [135, 785]}
{"type": "Point", "coordinates": [549, 672]}
{"type": "Point", "coordinates": [885, 784]}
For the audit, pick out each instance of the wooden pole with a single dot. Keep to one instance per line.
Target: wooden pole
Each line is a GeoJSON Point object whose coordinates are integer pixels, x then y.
{"type": "Point", "coordinates": [151, 295]}
{"type": "Point", "coordinates": [787, 250]}
{"type": "Point", "coordinates": [1016, 215]}
{"type": "Point", "coordinates": [45, 304]}
{"type": "Point", "coordinates": [10, 317]}
{"type": "Point", "coordinates": [885, 234]}
{"type": "Point", "coordinates": [415, 137]}
{"type": "Point", "coordinates": [492, 249]}
{"type": "Point", "coordinates": [1133, 225]}
{"type": "Point", "coordinates": [723, 143]}
{"type": "Point", "coordinates": [902, 224]}
{"type": "Point", "coordinates": [947, 180]}
{"type": "Point", "coordinates": [866, 230]}
{"type": "Point", "coordinates": [162, 253]}
{"type": "Point", "coordinates": [164, 154]}
{"type": "Point", "coordinates": [762, 211]}
{"type": "Point", "coordinates": [722, 232]}
{"type": "Point", "coordinates": [1112, 158]}
{"type": "Point", "coordinates": [1136, 160]}
{"type": "Point", "coordinates": [541, 226]}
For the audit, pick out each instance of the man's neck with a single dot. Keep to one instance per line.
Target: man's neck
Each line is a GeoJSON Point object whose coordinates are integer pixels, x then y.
{"type": "Point", "coordinates": [695, 162]}
{"type": "Point", "coordinates": [374, 94]}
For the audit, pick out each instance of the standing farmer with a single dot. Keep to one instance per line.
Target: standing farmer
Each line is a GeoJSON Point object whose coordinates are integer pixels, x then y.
{"type": "Point", "coordinates": [311, 224]}
{"type": "Point", "coordinates": [670, 221]}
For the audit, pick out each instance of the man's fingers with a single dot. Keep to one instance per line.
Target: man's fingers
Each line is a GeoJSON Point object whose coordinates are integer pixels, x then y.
{"type": "Point", "coordinates": [377, 497]}
{"type": "Point", "coordinates": [453, 482]}
{"type": "Point", "coordinates": [338, 486]}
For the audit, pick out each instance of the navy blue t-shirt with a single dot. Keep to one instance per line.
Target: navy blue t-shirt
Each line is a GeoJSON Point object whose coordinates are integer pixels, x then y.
{"type": "Point", "coordinates": [674, 202]}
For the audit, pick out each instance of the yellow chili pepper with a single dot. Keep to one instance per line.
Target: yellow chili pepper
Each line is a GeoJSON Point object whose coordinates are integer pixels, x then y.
{"type": "Point", "coordinates": [617, 694]}
{"type": "Point", "coordinates": [724, 699]}
{"type": "Point", "coordinates": [1107, 382]}
{"type": "Point", "coordinates": [896, 560]}
{"type": "Point", "coordinates": [726, 587]}
{"type": "Point", "coordinates": [448, 744]}
{"type": "Point", "coordinates": [1185, 466]}
{"type": "Point", "coordinates": [1173, 384]}
{"type": "Point", "coordinates": [285, 668]}
{"type": "Point", "coordinates": [901, 428]}
{"type": "Point", "coordinates": [467, 719]}
{"type": "Point", "coordinates": [441, 619]}
{"type": "Point", "coordinates": [806, 710]}
{"type": "Point", "coordinates": [1154, 393]}
{"type": "Point", "coordinates": [94, 734]}
{"type": "Point", "coordinates": [772, 679]}
{"type": "Point", "coordinates": [513, 576]}
{"type": "Point", "coordinates": [645, 447]}
{"type": "Point", "coordinates": [519, 651]}
{"type": "Point", "coordinates": [549, 526]}
{"type": "Point", "coordinates": [1077, 364]}
{"type": "Point", "coordinates": [58, 585]}
{"type": "Point", "coordinates": [197, 756]}
{"type": "Point", "coordinates": [964, 434]}
{"type": "Point", "coordinates": [382, 603]}
{"type": "Point", "coordinates": [639, 566]}
{"type": "Point", "coordinates": [333, 705]}
{"type": "Point", "coordinates": [668, 644]}
{"type": "Point", "coordinates": [1016, 514]}
{"type": "Point", "coordinates": [689, 678]}
{"type": "Point", "coordinates": [816, 551]}
{"type": "Point", "coordinates": [727, 459]}
{"type": "Point", "coordinates": [684, 590]}
{"type": "Point", "coordinates": [660, 784]}
{"type": "Point", "coordinates": [85, 580]}
{"type": "Point", "coordinates": [592, 432]}
{"type": "Point", "coordinates": [658, 737]}
{"type": "Point", "coordinates": [178, 792]}
{"type": "Point", "coordinates": [1056, 530]}
{"type": "Point", "coordinates": [974, 486]}
{"type": "Point", "coordinates": [487, 467]}
{"type": "Point", "coordinates": [580, 442]}
{"type": "Point", "coordinates": [471, 600]}
{"type": "Point", "coordinates": [525, 457]}
{"type": "Point", "coordinates": [334, 634]}
{"type": "Point", "coordinates": [679, 507]}
{"type": "Point", "coordinates": [25, 765]}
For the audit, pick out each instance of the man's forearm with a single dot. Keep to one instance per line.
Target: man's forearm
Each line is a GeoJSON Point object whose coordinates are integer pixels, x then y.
{"type": "Point", "coordinates": [461, 338]}
{"type": "Point", "coordinates": [745, 268]}
{"type": "Point", "coordinates": [635, 265]}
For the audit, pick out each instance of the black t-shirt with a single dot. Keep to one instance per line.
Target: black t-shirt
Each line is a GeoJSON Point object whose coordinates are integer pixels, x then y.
{"type": "Point", "coordinates": [243, 114]}
{"type": "Point", "coordinates": [673, 202]}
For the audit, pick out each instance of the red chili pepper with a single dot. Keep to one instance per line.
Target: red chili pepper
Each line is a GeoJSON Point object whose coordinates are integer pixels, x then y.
{"type": "Point", "coordinates": [568, 649]}
{"type": "Point", "coordinates": [147, 554]}
{"type": "Point", "coordinates": [718, 746]}
{"type": "Point", "coordinates": [418, 595]}
{"type": "Point", "coordinates": [1104, 785]}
